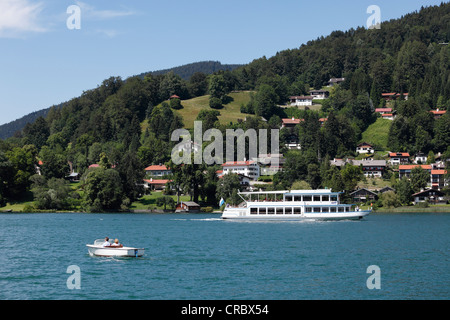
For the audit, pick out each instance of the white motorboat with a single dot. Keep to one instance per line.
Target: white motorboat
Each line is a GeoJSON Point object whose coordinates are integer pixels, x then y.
{"type": "Point", "coordinates": [97, 249]}
{"type": "Point", "coordinates": [293, 205]}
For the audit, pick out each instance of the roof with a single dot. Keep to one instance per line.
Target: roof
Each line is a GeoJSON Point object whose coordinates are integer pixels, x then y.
{"type": "Point", "coordinates": [154, 181]}
{"type": "Point", "coordinates": [157, 168]}
{"type": "Point", "coordinates": [364, 144]}
{"type": "Point", "coordinates": [438, 111]}
{"type": "Point", "coordinates": [237, 163]}
{"type": "Point", "coordinates": [398, 154]}
{"type": "Point", "coordinates": [291, 121]}
{"type": "Point", "coordinates": [439, 172]}
{"type": "Point", "coordinates": [440, 193]}
{"type": "Point", "coordinates": [412, 166]}
{"type": "Point", "coordinates": [387, 115]}
{"type": "Point", "coordinates": [301, 97]}
{"type": "Point", "coordinates": [388, 94]}
{"type": "Point", "coordinates": [190, 203]}
{"type": "Point", "coordinates": [336, 79]}
{"type": "Point", "coordinates": [383, 110]}
{"type": "Point", "coordinates": [363, 189]}
{"type": "Point", "coordinates": [95, 165]}
{"type": "Point", "coordinates": [174, 97]}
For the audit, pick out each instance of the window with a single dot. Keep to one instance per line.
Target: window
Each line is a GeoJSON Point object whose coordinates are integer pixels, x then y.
{"type": "Point", "coordinates": [325, 209]}
{"type": "Point", "coordinates": [297, 210]}
{"type": "Point", "coordinates": [333, 198]}
{"type": "Point", "coordinates": [307, 198]}
{"type": "Point", "coordinates": [325, 198]}
{"type": "Point", "coordinates": [262, 210]}
{"type": "Point", "coordinates": [297, 198]}
{"type": "Point", "coordinates": [332, 209]}
{"type": "Point", "coordinates": [308, 209]}
{"type": "Point", "coordinates": [287, 210]}
{"type": "Point", "coordinates": [270, 210]}
{"type": "Point", "coordinates": [316, 209]}
{"type": "Point", "coordinates": [288, 198]}
{"type": "Point", "coordinates": [341, 209]}
{"type": "Point", "coordinates": [279, 210]}
{"type": "Point", "coordinates": [253, 210]}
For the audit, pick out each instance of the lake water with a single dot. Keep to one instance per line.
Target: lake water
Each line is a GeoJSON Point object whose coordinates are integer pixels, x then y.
{"type": "Point", "coordinates": [197, 257]}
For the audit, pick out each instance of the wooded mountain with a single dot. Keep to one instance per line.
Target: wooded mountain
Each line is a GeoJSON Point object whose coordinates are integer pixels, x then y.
{"type": "Point", "coordinates": [185, 72]}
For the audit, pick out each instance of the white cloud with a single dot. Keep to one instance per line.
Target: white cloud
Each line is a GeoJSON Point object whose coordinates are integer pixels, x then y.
{"type": "Point", "coordinates": [18, 17]}
{"type": "Point", "coordinates": [91, 12]}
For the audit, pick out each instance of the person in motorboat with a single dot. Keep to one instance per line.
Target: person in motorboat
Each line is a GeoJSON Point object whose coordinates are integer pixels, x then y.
{"type": "Point", "coordinates": [116, 244]}
{"type": "Point", "coordinates": [106, 243]}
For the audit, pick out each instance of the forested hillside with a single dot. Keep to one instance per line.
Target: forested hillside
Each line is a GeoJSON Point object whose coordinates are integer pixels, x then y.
{"type": "Point", "coordinates": [106, 125]}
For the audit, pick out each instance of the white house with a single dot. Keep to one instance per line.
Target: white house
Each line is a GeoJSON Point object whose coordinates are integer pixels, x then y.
{"type": "Point", "coordinates": [301, 100]}
{"type": "Point", "coordinates": [431, 195]}
{"type": "Point", "coordinates": [157, 171]}
{"type": "Point", "coordinates": [397, 158]}
{"type": "Point", "coordinates": [420, 158]}
{"type": "Point", "coordinates": [250, 169]}
{"type": "Point", "coordinates": [365, 148]}
{"type": "Point", "coordinates": [319, 94]}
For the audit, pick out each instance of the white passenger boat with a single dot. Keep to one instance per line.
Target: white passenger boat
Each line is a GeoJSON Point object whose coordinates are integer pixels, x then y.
{"type": "Point", "coordinates": [97, 249]}
{"type": "Point", "coordinates": [293, 205]}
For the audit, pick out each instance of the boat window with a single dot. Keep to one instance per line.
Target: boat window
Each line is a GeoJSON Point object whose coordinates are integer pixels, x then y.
{"type": "Point", "coordinates": [325, 209]}
{"type": "Point", "coordinates": [325, 198]}
{"type": "Point", "coordinates": [308, 209]}
{"type": "Point", "coordinates": [253, 210]}
{"type": "Point", "coordinates": [279, 210]}
{"type": "Point", "coordinates": [333, 198]}
{"type": "Point", "coordinates": [341, 209]}
{"type": "Point", "coordinates": [307, 198]}
{"type": "Point", "coordinates": [270, 210]}
{"type": "Point", "coordinates": [262, 210]}
{"type": "Point", "coordinates": [288, 210]}
{"type": "Point", "coordinates": [332, 209]}
{"type": "Point", "coordinates": [316, 198]}
{"type": "Point", "coordinates": [288, 198]}
{"type": "Point", "coordinates": [297, 198]}
{"type": "Point", "coordinates": [316, 209]}
{"type": "Point", "coordinates": [297, 210]}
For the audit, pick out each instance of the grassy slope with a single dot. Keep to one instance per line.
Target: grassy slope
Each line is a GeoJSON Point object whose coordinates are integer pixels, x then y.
{"type": "Point", "coordinates": [230, 111]}
{"type": "Point", "coordinates": [377, 133]}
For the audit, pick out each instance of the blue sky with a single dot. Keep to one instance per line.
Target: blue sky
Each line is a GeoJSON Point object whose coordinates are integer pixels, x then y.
{"type": "Point", "coordinates": [43, 63]}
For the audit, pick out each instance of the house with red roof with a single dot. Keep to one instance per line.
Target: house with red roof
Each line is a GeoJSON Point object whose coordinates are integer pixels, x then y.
{"type": "Point", "coordinates": [365, 147]}
{"type": "Point", "coordinates": [250, 169]}
{"type": "Point", "coordinates": [397, 158]}
{"type": "Point", "coordinates": [388, 96]}
{"type": "Point", "coordinates": [155, 184]}
{"type": "Point", "coordinates": [438, 180]}
{"type": "Point", "coordinates": [438, 113]}
{"type": "Point", "coordinates": [157, 170]}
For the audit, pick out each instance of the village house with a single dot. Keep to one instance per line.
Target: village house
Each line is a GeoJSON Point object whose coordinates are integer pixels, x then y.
{"type": "Point", "coordinates": [420, 158]}
{"type": "Point", "coordinates": [363, 195]}
{"type": "Point", "coordinates": [388, 116]}
{"type": "Point", "coordinates": [301, 101]}
{"type": "Point", "coordinates": [438, 180]}
{"type": "Point", "coordinates": [319, 94]}
{"type": "Point", "coordinates": [335, 81]}
{"type": "Point", "coordinates": [270, 164]}
{"type": "Point", "coordinates": [250, 169]}
{"type": "Point", "coordinates": [383, 110]}
{"type": "Point", "coordinates": [404, 171]}
{"type": "Point", "coordinates": [155, 184]}
{"type": "Point", "coordinates": [438, 113]}
{"type": "Point", "coordinates": [397, 158]}
{"type": "Point", "coordinates": [157, 171]}
{"type": "Point", "coordinates": [431, 195]}
{"type": "Point", "coordinates": [188, 206]}
{"type": "Point", "coordinates": [290, 122]}
{"type": "Point", "coordinates": [393, 96]}
{"type": "Point", "coordinates": [370, 168]}
{"type": "Point", "coordinates": [365, 147]}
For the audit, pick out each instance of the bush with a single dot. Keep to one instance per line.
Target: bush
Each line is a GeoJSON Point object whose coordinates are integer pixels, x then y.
{"type": "Point", "coordinates": [215, 103]}
{"type": "Point", "coordinates": [176, 104]}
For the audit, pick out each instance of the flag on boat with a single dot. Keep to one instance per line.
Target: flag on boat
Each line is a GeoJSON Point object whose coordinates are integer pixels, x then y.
{"type": "Point", "coordinates": [221, 202]}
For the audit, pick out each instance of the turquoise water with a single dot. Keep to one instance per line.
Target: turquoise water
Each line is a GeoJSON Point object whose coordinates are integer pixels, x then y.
{"type": "Point", "coordinates": [191, 257]}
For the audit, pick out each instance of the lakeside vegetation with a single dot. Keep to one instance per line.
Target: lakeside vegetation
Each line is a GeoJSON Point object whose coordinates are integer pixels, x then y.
{"type": "Point", "coordinates": [122, 126]}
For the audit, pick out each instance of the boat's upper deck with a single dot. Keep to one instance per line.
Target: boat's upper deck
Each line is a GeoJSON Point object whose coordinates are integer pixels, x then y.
{"type": "Point", "coordinates": [325, 196]}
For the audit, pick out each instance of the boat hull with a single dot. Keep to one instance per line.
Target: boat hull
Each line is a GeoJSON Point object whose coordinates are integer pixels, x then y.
{"type": "Point", "coordinates": [242, 215]}
{"type": "Point", "coordinates": [99, 251]}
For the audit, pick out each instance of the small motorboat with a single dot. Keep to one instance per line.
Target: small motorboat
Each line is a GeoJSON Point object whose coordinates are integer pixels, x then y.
{"type": "Point", "coordinates": [97, 249]}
